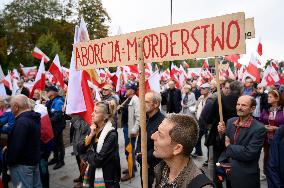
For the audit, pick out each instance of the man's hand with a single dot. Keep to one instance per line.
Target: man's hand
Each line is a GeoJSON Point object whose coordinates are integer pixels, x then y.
{"type": "Point", "coordinates": [221, 128]}
{"type": "Point", "coordinates": [227, 141]}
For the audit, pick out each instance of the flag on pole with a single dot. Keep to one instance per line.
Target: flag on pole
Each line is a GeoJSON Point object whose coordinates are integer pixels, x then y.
{"type": "Point", "coordinates": [40, 79]}
{"type": "Point", "coordinates": [46, 128]}
{"type": "Point", "coordinates": [205, 64]}
{"type": "Point", "coordinates": [252, 68]}
{"type": "Point", "coordinates": [79, 98]}
{"type": "Point", "coordinates": [56, 70]}
{"type": "Point", "coordinates": [37, 53]}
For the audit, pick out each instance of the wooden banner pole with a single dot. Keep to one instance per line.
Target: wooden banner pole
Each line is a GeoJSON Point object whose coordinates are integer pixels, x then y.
{"type": "Point", "coordinates": [217, 70]}
{"type": "Point", "coordinates": [143, 120]}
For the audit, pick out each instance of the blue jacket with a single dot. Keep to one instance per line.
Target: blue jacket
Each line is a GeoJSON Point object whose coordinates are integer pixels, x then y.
{"type": "Point", "coordinates": [7, 122]}
{"type": "Point", "coordinates": [275, 168]}
{"type": "Point", "coordinates": [54, 108]}
{"type": "Point", "coordinates": [24, 140]}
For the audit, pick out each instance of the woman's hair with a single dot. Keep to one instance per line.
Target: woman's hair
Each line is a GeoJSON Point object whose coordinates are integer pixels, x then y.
{"type": "Point", "coordinates": [276, 94]}
{"type": "Point", "coordinates": [108, 108]}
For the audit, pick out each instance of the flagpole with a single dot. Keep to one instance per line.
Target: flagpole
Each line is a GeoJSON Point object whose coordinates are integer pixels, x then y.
{"type": "Point", "coordinates": [217, 68]}
{"type": "Point", "coordinates": [143, 118]}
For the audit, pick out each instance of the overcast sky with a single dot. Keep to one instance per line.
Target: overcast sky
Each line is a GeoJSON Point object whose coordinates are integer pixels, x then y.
{"type": "Point", "coordinates": [135, 15]}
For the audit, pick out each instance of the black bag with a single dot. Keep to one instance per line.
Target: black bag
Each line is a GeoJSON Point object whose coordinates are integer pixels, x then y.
{"type": "Point", "coordinates": [200, 181]}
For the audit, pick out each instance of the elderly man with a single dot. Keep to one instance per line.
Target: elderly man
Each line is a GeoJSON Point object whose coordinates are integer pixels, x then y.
{"type": "Point", "coordinates": [23, 154]}
{"type": "Point", "coordinates": [244, 141]}
{"type": "Point", "coordinates": [154, 119]}
{"type": "Point", "coordinates": [131, 122]}
{"type": "Point", "coordinates": [173, 143]}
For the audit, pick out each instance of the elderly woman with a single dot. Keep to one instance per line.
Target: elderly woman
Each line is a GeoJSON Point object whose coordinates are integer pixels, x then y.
{"type": "Point", "coordinates": [101, 149]}
{"type": "Point", "coordinates": [188, 101]}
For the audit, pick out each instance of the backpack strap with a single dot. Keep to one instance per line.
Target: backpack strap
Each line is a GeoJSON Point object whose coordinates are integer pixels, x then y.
{"type": "Point", "coordinates": [200, 181]}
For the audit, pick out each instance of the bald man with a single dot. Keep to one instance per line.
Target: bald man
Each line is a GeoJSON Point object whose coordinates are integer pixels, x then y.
{"type": "Point", "coordinates": [244, 137]}
{"type": "Point", "coordinates": [23, 150]}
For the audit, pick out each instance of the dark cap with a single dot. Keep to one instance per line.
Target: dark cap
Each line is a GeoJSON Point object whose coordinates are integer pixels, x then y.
{"type": "Point", "coordinates": [51, 88]}
{"type": "Point", "coordinates": [131, 85]}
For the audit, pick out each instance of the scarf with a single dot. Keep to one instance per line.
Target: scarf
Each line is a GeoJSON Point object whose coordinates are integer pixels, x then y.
{"type": "Point", "coordinates": [99, 178]}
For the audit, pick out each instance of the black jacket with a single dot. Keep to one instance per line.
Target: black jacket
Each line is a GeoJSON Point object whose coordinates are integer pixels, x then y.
{"type": "Point", "coordinates": [24, 140]}
{"type": "Point", "coordinates": [175, 100]}
{"type": "Point", "coordinates": [229, 104]}
{"type": "Point", "coordinates": [107, 159]}
{"type": "Point", "coordinates": [151, 127]}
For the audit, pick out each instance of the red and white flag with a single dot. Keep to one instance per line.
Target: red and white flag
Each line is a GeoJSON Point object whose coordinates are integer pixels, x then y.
{"type": "Point", "coordinates": [40, 79]}
{"type": "Point", "coordinates": [7, 81]}
{"type": "Point", "coordinates": [2, 87]}
{"type": "Point", "coordinates": [259, 47]}
{"type": "Point", "coordinates": [56, 70]}
{"type": "Point", "coordinates": [270, 76]}
{"type": "Point", "coordinates": [45, 128]}
{"type": "Point", "coordinates": [37, 53]}
{"type": "Point", "coordinates": [205, 64]}
{"type": "Point", "coordinates": [234, 59]}
{"type": "Point", "coordinates": [252, 68]}
{"type": "Point", "coordinates": [185, 65]}
{"type": "Point", "coordinates": [153, 83]}
{"type": "Point", "coordinates": [79, 98]}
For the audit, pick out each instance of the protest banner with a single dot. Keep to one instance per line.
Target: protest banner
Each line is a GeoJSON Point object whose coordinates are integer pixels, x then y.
{"type": "Point", "coordinates": [217, 36]}
{"type": "Point", "coordinates": [249, 28]}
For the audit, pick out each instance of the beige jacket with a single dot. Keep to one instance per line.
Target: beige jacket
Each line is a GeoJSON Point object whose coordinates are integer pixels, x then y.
{"type": "Point", "coordinates": [133, 115]}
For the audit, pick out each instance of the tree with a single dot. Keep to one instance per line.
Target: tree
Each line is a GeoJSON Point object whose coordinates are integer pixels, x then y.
{"type": "Point", "coordinates": [95, 16]}
{"type": "Point", "coordinates": [50, 46]}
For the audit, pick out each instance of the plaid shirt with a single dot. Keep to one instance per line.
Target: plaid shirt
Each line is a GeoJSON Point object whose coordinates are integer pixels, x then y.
{"type": "Point", "coordinates": [238, 124]}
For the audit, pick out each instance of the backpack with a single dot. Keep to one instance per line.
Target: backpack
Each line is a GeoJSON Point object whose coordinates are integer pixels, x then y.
{"type": "Point", "coordinates": [200, 181]}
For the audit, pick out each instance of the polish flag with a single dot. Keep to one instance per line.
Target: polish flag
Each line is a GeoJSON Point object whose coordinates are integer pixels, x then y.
{"type": "Point", "coordinates": [153, 83]}
{"type": "Point", "coordinates": [2, 87]}
{"type": "Point", "coordinates": [79, 98]}
{"type": "Point", "coordinates": [40, 79]}
{"type": "Point", "coordinates": [56, 70]}
{"type": "Point", "coordinates": [259, 47]}
{"type": "Point", "coordinates": [252, 68]}
{"type": "Point", "coordinates": [234, 59]}
{"type": "Point", "coordinates": [270, 76]}
{"type": "Point", "coordinates": [46, 128]}
{"type": "Point", "coordinates": [119, 78]}
{"type": "Point", "coordinates": [37, 53]}
{"type": "Point", "coordinates": [7, 81]}
{"type": "Point", "coordinates": [205, 64]}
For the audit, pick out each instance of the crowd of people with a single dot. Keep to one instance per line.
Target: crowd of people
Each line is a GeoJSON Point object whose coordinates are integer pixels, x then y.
{"type": "Point", "coordinates": [177, 120]}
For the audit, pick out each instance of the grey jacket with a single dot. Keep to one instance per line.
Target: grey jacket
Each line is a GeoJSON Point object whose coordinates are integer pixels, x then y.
{"type": "Point", "coordinates": [245, 154]}
{"type": "Point", "coordinates": [133, 115]}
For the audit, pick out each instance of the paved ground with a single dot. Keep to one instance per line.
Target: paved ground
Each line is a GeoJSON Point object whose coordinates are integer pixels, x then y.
{"type": "Point", "coordinates": [63, 178]}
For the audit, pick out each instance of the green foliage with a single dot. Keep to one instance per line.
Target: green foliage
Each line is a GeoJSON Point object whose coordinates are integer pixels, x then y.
{"type": "Point", "coordinates": [25, 24]}
{"type": "Point", "coordinates": [50, 46]}
{"type": "Point", "coordinates": [95, 16]}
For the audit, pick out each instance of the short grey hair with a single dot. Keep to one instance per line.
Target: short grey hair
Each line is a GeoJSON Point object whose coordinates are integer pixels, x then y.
{"type": "Point", "coordinates": [236, 88]}
{"type": "Point", "coordinates": [156, 96]}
